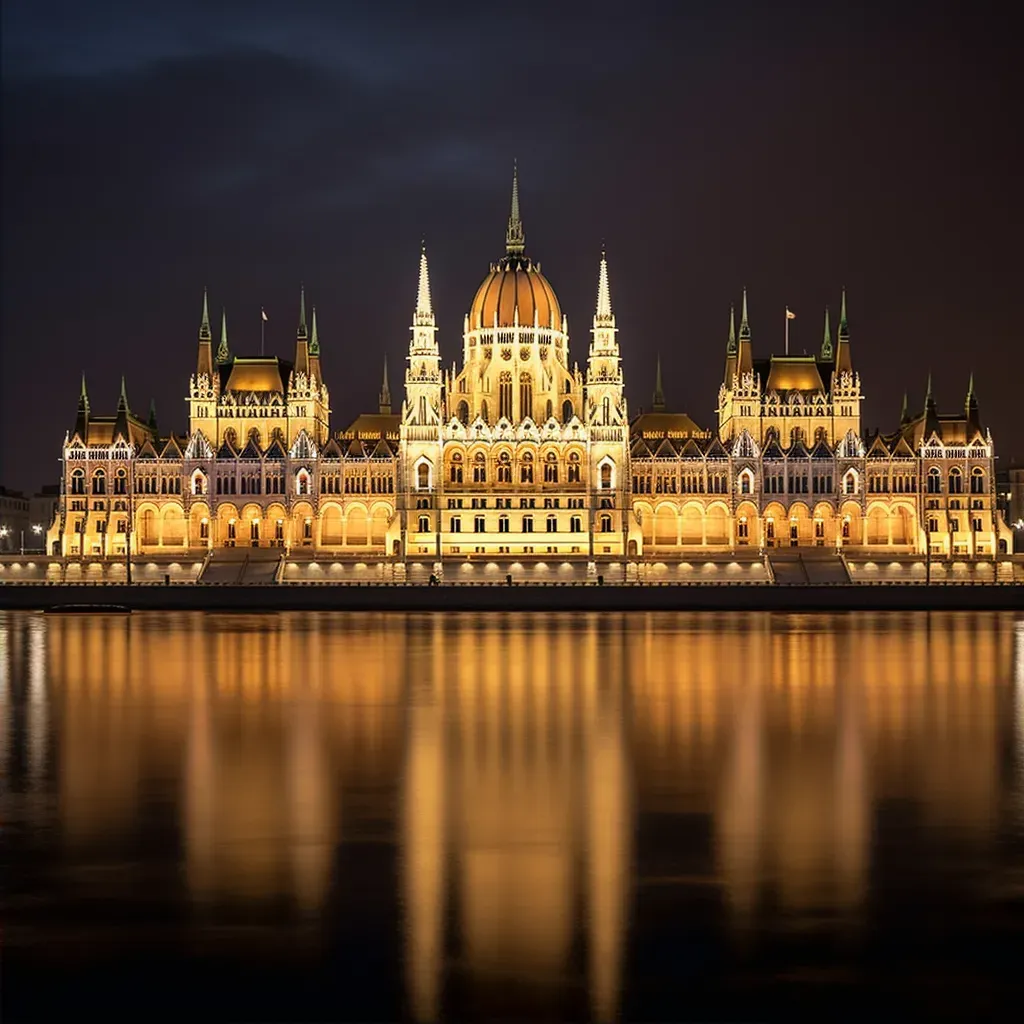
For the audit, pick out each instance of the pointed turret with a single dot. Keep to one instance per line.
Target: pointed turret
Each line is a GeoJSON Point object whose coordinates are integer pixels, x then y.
{"type": "Point", "coordinates": [302, 337]}
{"type": "Point", "coordinates": [905, 411]}
{"type": "Point", "coordinates": [843, 360]}
{"type": "Point", "coordinates": [82, 419]}
{"type": "Point", "coordinates": [314, 350]}
{"type": "Point", "coordinates": [515, 237]}
{"type": "Point", "coordinates": [731, 349]}
{"type": "Point", "coordinates": [121, 422]}
{"type": "Point", "coordinates": [385, 392]}
{"type": "Point", "coordinates": [931, 413]}
{"type": "Point", "coordinates": [658, 405]}
{"type": "Point", "coordinates": [604, 297]}
{"type": "Point", "coordinates": [971, 405]}
{"type": "Point", "coordinates": [204, 361]}
{"type": "Point", "coordinates": [745, 352]}
{"type": "Point", "coordinates": [423, 378]}
{"type": "Point", "coordinates": [827, 352]}
{"type": "Point", "coordinates": [223, 352]}
{"type": "Point", "coordinates": [151, 422]}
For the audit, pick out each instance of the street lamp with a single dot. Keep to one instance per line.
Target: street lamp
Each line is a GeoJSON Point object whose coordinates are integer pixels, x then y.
{"type": "Point", "coordinates": [37, 529]}
{"type": "Point", "coordinates": [3, 533]}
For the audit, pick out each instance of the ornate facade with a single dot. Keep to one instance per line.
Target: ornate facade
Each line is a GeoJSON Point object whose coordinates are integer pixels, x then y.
{"type": "Point", "coordinates": [522, 454]}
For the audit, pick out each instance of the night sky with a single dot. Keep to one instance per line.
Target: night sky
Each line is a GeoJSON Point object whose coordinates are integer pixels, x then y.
{"type": "Point", "coordinates": [150, 149]}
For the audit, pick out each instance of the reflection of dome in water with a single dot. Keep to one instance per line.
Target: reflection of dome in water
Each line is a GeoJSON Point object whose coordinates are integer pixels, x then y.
{"type": "Point", "coordinates": [515, 283]}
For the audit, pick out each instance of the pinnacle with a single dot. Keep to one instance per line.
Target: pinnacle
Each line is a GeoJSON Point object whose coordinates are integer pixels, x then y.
{"type": "Point", "coordinates": [423, 304]}
{"type": "Point", "coordinates": [314, 338]}
{"type": "Point", "coordinates": [604, 297]}
{"type": "Point", "coordinates": [302, 312]}
{"type": "Point", "coordinates": [515, 238]}
{"type": "Point", "coordinates": [204, 324]}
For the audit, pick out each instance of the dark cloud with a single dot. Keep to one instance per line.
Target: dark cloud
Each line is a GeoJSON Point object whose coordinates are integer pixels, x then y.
{"type": "Point", "coordinates": [150, 150]}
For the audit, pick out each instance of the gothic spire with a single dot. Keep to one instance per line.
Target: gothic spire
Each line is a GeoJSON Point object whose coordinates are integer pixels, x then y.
{"type": "Point", "coordinates": [843, 360]}
{"type": "Point", "coordinates": [301, 333]}
{"type": "Point", "coordinates": [730, 345]}
{"type": "Point", "coordinates": [424, 308]}
{"type": "Point", "coordinates": [204, 324]}
{"type": "Point", "coordinates": [928, 398]}
{"type": "Point", "coordinates": [314, 338]}
{"type": "Point", "coordinates": [121, 422]}
{"type": "Point", "coordinates": [826, 340]}
{"type": "Point", "coordinates": [744, 322]}
{"type": "Point", "coordinates": [971, 402]}
{"type": "Point", "coordinates": [223, 352]}
{"type": "Point", "coordinates": [152, 415]}
{"type": "Point", "coordinates": [515, 238]}
{"type": "Point", "coordinates": [905, 411]}
{"type": "Point", "coordinates": [604, 297]}
{"type": "Point", "coordinates": [385, 391]}
{"type": "Point", "coordinates": [82, 419]}
{"type": "Point", "coordinates": [658, 405]}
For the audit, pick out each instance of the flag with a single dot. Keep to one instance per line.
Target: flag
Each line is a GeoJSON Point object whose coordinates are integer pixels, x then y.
{"type": "Point", "coordinates": [789, 314]}
{"type": "Point", "coordinates": [263, 313]}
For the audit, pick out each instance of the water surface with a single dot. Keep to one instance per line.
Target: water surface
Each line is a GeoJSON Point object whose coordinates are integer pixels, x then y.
{"type": "Point", "coordinates": [601, 816]}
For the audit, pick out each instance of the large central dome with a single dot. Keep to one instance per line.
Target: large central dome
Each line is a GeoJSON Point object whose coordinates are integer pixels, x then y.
{"type": "Point", "coordinates": [512, 285]}
{"type": "Point", "coordinates": [515, 288]}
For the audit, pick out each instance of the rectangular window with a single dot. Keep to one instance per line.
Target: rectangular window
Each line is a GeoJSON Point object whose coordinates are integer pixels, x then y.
{"type": "Point", "coordinates": [479, 524]}
{"type": "Point", "coordinates": [527, 524]}
{"type": "Point", "coordinates": [976, 524]}
{"type": "Point", "coordinates": [552, 524]}
{"type": "Point", "coordinates": [503, 524]}
{"type": "Point", "coordinates": [576, 525]}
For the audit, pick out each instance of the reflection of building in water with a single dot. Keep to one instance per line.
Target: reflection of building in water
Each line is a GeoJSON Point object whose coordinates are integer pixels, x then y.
{"type": "Point", "coordinates": [263, 725]}
{"type": "Point", "coordinates": [516, 808]}
{"type": "Point", "coordinates": [502, 754]}
{"type": "Point", "coordinates": [799, 730]}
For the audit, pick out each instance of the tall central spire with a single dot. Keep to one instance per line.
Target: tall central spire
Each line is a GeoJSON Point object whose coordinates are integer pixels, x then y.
{"type": "Point", "coordinates": [515, 238]}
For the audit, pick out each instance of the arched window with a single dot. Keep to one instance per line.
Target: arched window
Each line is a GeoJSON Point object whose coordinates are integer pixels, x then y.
{"type": "Point", "coordinates": [606, 475]}
{"type": "Point", "coordinates": [525, 396]}
{"type": "Point", "coordinates": [78, 482]}
{"type": "Point", "coordinates": [934, 480]}
{"type": "Point", "coordinates": [606, 410]}
{"type": "Point", "coordinates": [552, 524]}
{"type": "Point", "coordinates": [462, 413]}
{"type": "Point", "coordinates": [424, 524]}
{"type": "Point", "coordinates": [797, 436]}
{"type": "Point", "coordinates": [846, 527]}
{"type": "Point", "coordinates": [99, 482]}
{"type": "Point", "coordinates": [484, 411]}
{"type": "Point", "coordinates": [479, 468]}
{"type": "Point", "coordinates": [277, 434]}
{"type": "Point", "coordinates": [850, 482]}
{"type": "Point", "coordinates": [977, 480]}
{"type": "Point", "coordinates": [198, 483]}
{"type": "Point", "coordinates": [254, 436]}
{"type": "Point", "coordinates": [230, 437]}
{"type": "Point", "coordinates": [549, 411]}
{"type": "Point", "coordinates": [568, 386]}
{"type": "Point", "coordinates": [956, 481]}
{"type": "Point", "coordinates": [551, 468]}
{"type": "Point", "coordinates": [574, 467]}
{"type": "Point", "coordinates": [526, 468]}
{"type": "Point", "coordinates": [504, 468]}
{"type": "Point", "coordinates": [302, 482]}
{"type": "Point", "coordinates": [746, 482]}
{"type": "Point", "coordinates": [567, 411]}
{"type": "Point", "coordinates": [505, 395]}
{"type": "Point", "coordinates": [423, 477]}
{"type": "Point", "coordinates": [606, 524]}
{"type": "Point", "coordinates": [456, 469]}
{"type": "Point", "coordinates": [121, 482]}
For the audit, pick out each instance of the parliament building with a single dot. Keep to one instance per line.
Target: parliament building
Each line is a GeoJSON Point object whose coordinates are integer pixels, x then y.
{"type": "Point", "coordinates": [522, 455]}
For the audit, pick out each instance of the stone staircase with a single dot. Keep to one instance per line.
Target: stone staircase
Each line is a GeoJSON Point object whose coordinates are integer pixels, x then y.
{"type": "Point", "coordinates": [808, 566]}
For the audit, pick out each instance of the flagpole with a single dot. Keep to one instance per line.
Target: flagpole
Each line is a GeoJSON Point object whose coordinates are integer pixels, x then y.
{"type": "Point", "coordinates": [787, 330]}
{"type": "Point", "coordinates": [263, 328]}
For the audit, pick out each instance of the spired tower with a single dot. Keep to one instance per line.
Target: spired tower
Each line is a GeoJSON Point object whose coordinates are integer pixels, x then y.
{"type": "Point", "coordinates": [608, 425]}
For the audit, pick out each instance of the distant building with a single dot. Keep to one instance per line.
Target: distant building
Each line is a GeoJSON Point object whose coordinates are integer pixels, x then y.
{"type": "Point", "coordinates": [522, 454]}
{"type": "Point", "coordinates": [14, 519]}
